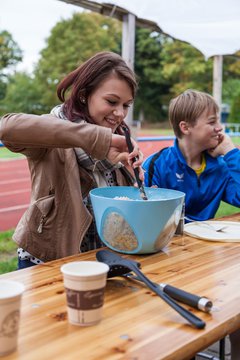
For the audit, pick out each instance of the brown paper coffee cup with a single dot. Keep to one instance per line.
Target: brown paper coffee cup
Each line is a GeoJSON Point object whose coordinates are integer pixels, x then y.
{"type": "Point", "coordinates": [84, 283]}
{"type": "Point", "coordinates": [10, 302]}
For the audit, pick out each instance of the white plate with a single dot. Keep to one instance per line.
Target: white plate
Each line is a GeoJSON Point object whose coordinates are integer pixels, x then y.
{"type": "Point", "coordinates": [201, 230]}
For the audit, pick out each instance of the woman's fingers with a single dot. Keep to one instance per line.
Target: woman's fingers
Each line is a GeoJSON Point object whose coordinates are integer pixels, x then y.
{"type": "Point", "coordinates": [118, 152]}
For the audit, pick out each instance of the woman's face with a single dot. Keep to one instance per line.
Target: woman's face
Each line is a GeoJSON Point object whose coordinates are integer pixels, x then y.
{"type": "Point", "coordinates": [109, 103]}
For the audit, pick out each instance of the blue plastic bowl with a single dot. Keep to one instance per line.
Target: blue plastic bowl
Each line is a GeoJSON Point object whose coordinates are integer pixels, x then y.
{"type": "Point", "coordinates": [136, 226]}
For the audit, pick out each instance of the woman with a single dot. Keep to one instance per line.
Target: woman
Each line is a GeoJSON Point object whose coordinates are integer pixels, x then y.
{"type": "Point", "coordinates": [78, 147]}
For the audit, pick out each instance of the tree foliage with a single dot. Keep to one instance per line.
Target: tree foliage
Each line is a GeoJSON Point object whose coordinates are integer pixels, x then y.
{"type": "Point", "coordinates": [164, 67]}
{"type": "Point", "coordinates": [152, 85]}
{"type": "Point", "coordinates": [70, 43]}
{"type": "Point", "coordinates": [231, 85]}
{"type": "Point", "coordinates": [10, 55]}
{"type": "Point", "coordinates": [185, 67]}
{"type": "Point", "coordinates": [22, 95]}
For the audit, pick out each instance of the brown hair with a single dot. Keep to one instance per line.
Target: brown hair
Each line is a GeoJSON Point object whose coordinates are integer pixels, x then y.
{"type": "Point", "coordinates": [188, 106]}
{"type": "Point", "coordinates": [81, 82]}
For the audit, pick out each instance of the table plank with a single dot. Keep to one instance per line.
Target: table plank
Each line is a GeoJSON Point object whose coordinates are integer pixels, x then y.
{"type": "Point", "coordinates": [136, 323]}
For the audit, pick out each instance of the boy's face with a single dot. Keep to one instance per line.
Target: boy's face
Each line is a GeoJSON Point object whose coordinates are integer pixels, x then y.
{"type": "Point", "coordinates": [205, 132]}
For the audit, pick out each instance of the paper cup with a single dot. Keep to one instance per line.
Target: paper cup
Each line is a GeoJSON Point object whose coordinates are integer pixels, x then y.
{"type": "Point", "coordinates": [84, 283]}
{"type": "Point", "coordinates": [10, 302]}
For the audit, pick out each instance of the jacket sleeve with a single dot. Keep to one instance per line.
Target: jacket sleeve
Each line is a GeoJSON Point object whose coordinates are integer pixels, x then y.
{"type": "Point", "coordinates": [232, 191]}
{"type": "Point", "coordinates": [24, 133]}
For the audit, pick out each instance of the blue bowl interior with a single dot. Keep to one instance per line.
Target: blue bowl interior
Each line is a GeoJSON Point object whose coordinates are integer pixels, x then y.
{"type": "Point", "coordinates": [135, 225]}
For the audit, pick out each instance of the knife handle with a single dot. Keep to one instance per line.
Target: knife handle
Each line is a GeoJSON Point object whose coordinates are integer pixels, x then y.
{"type": "Point", "coordinates": [185, 297]}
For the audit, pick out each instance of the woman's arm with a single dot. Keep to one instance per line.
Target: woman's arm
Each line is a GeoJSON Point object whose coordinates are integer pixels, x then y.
{"type": "Point", "coordinates": [31, 134]}
{"type": "Point", "coordinates": [21, 132]}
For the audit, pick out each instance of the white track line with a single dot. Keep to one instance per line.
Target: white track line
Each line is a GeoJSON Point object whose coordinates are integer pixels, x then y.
{"type": "Point", "coordinates": [14, 208]}
{"type": "Point", "coordinates": [3, 182]}
{"type": "Point", "coordinates": [14, 192]}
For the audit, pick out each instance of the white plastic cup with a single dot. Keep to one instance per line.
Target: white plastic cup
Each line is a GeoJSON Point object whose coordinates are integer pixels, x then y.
{"type": "Point", "coordinates": [84, 283]}
{"type": "Point", "coordinates": [10, 303]}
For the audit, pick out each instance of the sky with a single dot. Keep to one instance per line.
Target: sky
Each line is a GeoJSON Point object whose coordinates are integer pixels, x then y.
{"type": "Point", "coordinates": [216, 32]}
{"type": "Point", "coordinates": [30, 23]}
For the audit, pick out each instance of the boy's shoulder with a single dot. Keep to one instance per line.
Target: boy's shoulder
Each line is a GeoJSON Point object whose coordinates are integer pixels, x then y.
{"type": "Point", "coordinates": [158, 156]}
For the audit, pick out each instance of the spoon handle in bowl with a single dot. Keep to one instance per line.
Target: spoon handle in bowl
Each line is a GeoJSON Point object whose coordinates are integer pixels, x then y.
{"type": "Point", "coordinates": [136, 170]}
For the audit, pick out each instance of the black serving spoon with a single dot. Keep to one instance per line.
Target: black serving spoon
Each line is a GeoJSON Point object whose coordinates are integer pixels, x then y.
{"type": "Point", "coordinates": [114, 260]}
{"type": "Point", "coordinates": [136, 170]}
{"type": "Point", "coordinates": [197, 302]}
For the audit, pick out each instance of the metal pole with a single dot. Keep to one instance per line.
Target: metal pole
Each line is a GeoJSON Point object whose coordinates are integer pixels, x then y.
{"type": "Point", "coordinates": [217, 78]}
{"type": "Point", "coordinates": [128, 50]}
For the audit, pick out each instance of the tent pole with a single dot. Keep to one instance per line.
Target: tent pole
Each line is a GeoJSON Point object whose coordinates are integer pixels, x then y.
{"type": "Point", "coordinates": [217, 78]}
{"type": "Point", "coordinates": [128, 50]}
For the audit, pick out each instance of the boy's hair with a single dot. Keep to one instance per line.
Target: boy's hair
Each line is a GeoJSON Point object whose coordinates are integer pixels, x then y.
{"type": "Point", "coordinates": [188, 106]}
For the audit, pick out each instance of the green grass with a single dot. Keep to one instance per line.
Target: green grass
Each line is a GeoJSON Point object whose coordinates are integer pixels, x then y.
{"type": "Point", "coordinates": [8, 252]}
{"type": "Point", "coordinates": [8, 265]}
{"type": "Point", "coordinates": [226, 209]}
{"type": "Point", "coordinates": [7, 154]}
{"type": "Point", "coordinates": [154, 132]}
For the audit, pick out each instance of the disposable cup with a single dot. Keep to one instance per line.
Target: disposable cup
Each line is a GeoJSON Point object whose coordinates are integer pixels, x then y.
{"type": "Point", "coordinates": [10, 303]}
{"type": "Point", "coordinates": [84, 283]}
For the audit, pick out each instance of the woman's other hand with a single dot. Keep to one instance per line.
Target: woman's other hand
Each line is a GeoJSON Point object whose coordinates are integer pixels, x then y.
{"type": "Point", "coordinates": [119, 152]}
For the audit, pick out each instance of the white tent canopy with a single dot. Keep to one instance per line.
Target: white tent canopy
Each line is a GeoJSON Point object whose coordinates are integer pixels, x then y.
{"type": "Point", "coordinates": [211, 26]}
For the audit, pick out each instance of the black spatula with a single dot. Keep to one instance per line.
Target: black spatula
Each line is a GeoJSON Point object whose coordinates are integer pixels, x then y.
{"type": "Point", "coordinates": [115, 260]}
{"type": "Point", "coordinates": [196, 301]}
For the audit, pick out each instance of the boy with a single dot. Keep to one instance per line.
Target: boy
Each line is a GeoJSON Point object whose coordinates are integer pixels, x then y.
{"type": "Point", "coordinates": [203, 162]}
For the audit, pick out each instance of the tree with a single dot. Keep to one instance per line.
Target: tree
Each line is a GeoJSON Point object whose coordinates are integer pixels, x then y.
{"type": "Point", "coordinates": [231, 85]}
{"type": "Point", "coordinates": [185, 67]}
{"type": "Point", "coordinates": [10, 55]}
{"type": "Point", "coordinates": [153, 87]}
{"type": "Point", "coordinates": [70, 43]}
{"type": "Point", "coordinates": [234, 115]}
{"type": "Point", "coordinates": [22, 95]}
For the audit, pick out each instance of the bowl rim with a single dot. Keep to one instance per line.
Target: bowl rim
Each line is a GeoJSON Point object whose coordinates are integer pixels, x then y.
{"type": "Point", "coordinates": [147, 189]}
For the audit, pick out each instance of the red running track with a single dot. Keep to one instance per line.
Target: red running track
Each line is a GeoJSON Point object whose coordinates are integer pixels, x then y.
{"type": "Point", "coordinates": [15, 185]}
{"type": "Point", "coordinates": [14, 192]}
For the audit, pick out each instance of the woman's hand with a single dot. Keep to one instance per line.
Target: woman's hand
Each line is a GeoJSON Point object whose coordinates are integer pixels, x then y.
{"type": "Point", "coordinates": [225, 145]}
{"type": "Point", "coordinates": [119, 152]}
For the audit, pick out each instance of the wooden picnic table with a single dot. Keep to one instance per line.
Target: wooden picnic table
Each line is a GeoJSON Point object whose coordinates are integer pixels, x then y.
{"type": "Point", "coordinates": [137, 324]}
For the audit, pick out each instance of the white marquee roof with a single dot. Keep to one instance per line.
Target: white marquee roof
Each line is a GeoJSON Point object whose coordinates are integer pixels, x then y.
{"type": "Point", "coordinates": [212, 26]}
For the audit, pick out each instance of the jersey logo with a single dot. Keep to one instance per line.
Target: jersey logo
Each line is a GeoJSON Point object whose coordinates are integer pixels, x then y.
{"type": "Point", "coordinates": [180, 177]}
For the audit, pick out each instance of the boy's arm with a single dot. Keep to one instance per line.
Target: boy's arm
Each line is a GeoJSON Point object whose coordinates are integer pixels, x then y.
{"type": "Point", "coordinates": [232, 190]}
{"type": "Point", "coordinates": [232, 159]}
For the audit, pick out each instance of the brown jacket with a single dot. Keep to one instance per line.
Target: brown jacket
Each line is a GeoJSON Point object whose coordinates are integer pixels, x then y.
{"type": "Point", "coordinates": [56, 221]}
